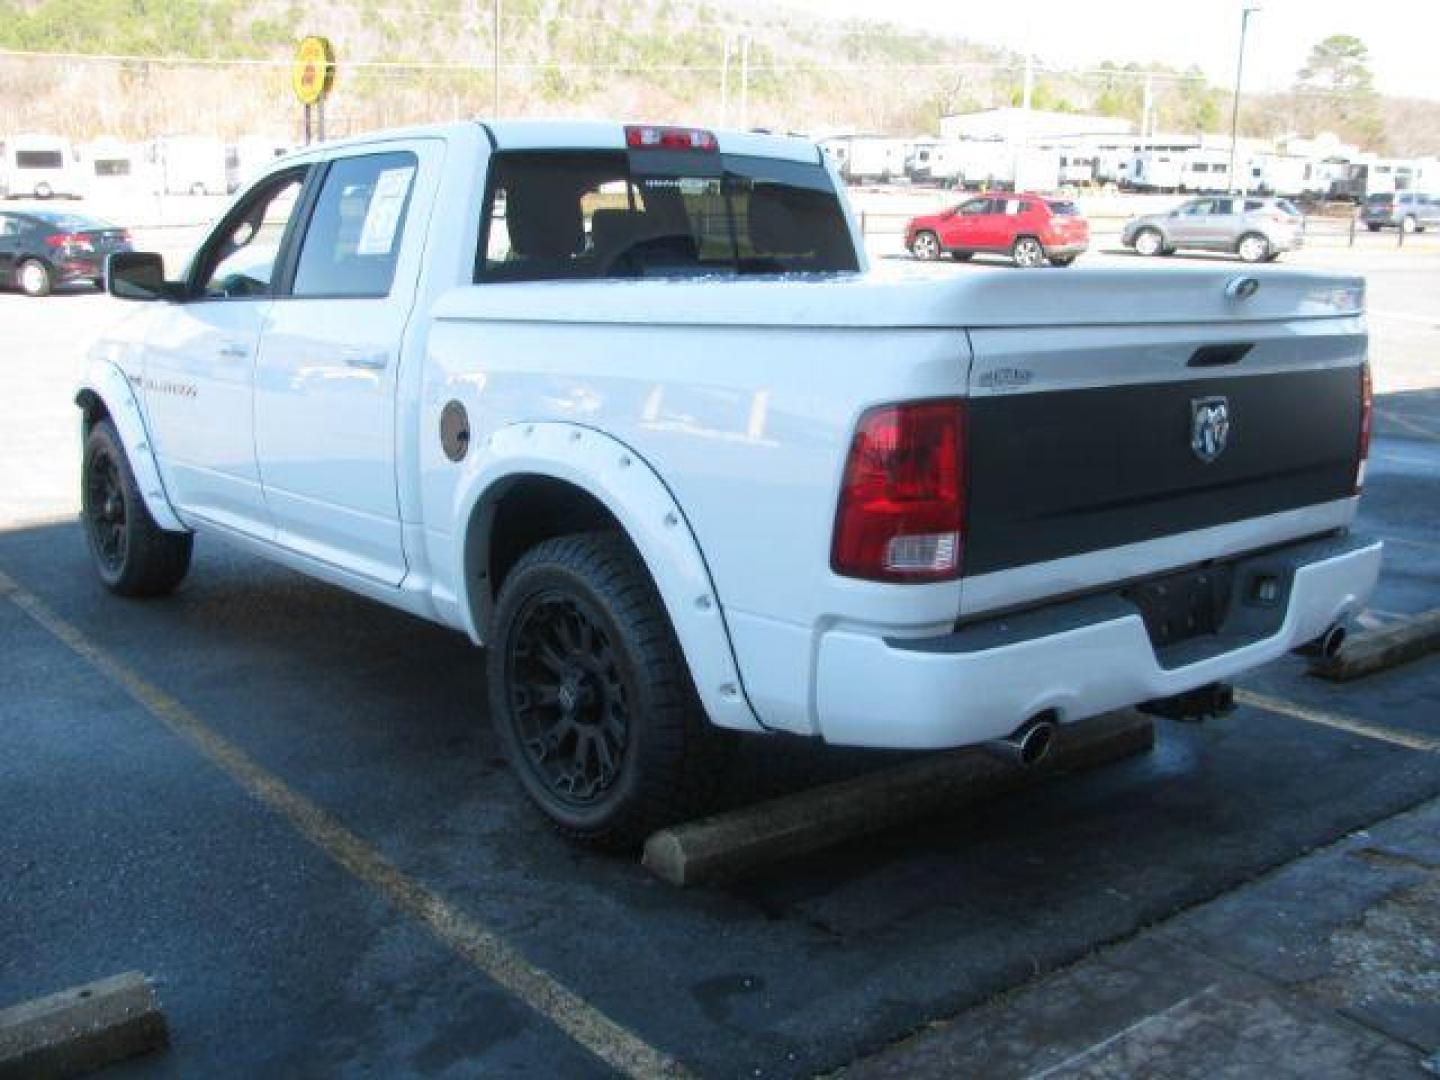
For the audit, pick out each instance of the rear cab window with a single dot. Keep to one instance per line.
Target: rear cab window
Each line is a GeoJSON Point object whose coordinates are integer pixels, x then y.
{"type": "Point", "coordinates": [575, 215]}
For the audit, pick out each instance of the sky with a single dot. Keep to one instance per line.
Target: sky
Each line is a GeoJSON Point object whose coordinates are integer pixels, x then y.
{"type": "Point", "coordinates": [1403, 35]}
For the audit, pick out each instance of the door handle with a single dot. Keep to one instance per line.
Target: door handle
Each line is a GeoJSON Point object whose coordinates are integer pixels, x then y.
{"type": "Point", "coordinates": [370, 361]}
{"type": "Point", "coordinates": [234, 352]}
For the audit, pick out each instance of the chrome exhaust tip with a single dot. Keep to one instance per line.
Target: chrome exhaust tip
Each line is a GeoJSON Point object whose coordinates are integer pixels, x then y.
{"type": "Point", "coordinates": [1029, 745]}
{"type": "Point", "coordinates": [1325, 647]}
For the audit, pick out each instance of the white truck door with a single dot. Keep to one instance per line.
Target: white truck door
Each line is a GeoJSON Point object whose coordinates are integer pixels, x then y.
{"type": "Point", "coordinates": [200, 362]}
{"type": "Point", "coordinates": [329, 360]}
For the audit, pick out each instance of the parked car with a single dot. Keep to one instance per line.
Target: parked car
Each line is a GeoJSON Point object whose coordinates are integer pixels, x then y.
{"type": "Point", "coordinates": [1031, 229]}
{"type": "Point", "coordinates": [653, 437]}
{"type": "Point", "coordinates": [40, 249]}
{"type": "Point", "coordinates": [1256, 229]}
{"type": "Point", "coordinates": [1409, 211]}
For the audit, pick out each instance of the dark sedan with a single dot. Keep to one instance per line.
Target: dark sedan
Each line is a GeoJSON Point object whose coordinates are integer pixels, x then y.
{"type": "Point", "coordinates": [40, 249]}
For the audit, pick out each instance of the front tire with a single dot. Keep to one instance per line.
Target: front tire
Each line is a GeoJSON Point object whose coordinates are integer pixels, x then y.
{"type": "Point", "coordinates": [925, 246]}
{"type": "Point", "coordinates": [1372, 226]}
{"type": "Point", "coordinates": [35, 278]}
{"type": "Point", "coordinates": [591, 696]}
{"type": "Point", "coordinates": [132, 554]}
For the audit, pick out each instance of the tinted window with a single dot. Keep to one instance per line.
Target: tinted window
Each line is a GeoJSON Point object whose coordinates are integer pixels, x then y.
{"type": "Point", "coordinates": [353, 240]}
{"type": "Point", "coordinates": [112, 167]}
{"type": "Point", "coordinates": [606, 215]}
{"type": "Point", "coordinates": [239, 262]}
{"type": "Point", "coordinates": [1062, 208]}
{"type": "Point", "coordinates": [1377, 200]}
{"type": "Point", "coordinates": [39, 159]}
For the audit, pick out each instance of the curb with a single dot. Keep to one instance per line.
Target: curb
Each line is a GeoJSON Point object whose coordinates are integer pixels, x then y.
{"type": "Point", "coordinates": [740, 841]}
{"type": "Point", "coordinates": [81, 1029]}
{"type": "Point", "coordinates": [1379, 650]}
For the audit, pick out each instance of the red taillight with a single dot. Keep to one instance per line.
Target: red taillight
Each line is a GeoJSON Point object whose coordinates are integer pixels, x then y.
{"type": "Point", "coordinates": [1367, 410]}
{"type": "Point", "coordinates": [60, 240]}
{"type": "Point", "coordinates": [902, 501]}
{"type": "Point", "coordinates": [670, 138]}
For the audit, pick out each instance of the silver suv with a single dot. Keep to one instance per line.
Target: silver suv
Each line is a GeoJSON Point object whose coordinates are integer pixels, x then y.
{"type": "Point", "coordinates": [1257, 229]}
{"type": "Point", "coordinates": [1408, 211]}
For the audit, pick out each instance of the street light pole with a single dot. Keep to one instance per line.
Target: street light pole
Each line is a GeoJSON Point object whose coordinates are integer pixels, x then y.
{"type": "Point", "coordinates": [495, 66]}
{"type": "Point", "coordinates": [1245, 14]}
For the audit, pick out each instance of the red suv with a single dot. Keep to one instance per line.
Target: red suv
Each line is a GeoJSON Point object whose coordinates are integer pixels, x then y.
{"type": "Point", "coordinates": [1031, 229]}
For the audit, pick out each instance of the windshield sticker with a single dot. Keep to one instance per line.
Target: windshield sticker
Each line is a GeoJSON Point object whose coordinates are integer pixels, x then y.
{"type": "Point", "coordinates": [377, 236]}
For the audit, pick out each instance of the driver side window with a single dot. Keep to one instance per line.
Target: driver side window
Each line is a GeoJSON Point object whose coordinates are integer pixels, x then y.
{"type": "Point", "coordinates": [241, 261]}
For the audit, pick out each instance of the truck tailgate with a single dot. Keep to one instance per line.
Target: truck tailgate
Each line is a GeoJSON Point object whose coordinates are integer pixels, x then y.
{"type": "Point", "coordinates": [1088, 440]}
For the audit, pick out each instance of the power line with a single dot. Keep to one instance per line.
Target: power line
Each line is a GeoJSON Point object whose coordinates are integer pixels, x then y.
{"type": "Point", "coordinates": [486, 62]}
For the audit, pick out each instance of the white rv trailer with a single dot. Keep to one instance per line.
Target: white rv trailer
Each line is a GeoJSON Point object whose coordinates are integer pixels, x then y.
{"type": "Point", "coordinates": [39, 166]}
{"type": "Point", "coordinates": [245, 157]}
{"type": "Point", "coordinates": [874, 159]}
{"type": "Point", "coordinates": [1208, 171]}
{"type": "Point", "coordinates": [112, 167]}
{"type": "Point", "coordinates": [189, 165]}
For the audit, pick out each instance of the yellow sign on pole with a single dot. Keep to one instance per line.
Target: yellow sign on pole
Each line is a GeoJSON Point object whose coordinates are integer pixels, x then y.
{"type": "Point", "coordinates": [313, 74]}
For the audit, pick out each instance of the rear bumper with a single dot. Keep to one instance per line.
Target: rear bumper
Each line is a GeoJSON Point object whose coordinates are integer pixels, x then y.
{"type": "Point", "coordinates": [80, 268]}
{"type": "Point", "coordinates": [1078, 658]}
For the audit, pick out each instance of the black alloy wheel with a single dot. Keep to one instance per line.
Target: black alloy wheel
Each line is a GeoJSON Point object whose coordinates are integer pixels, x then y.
{"type": "Point", "coordinates": [568, 699]}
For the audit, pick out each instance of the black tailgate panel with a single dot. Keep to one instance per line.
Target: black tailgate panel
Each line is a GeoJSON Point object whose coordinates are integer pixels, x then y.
{"type": "Point", "coordinates": [1063, 472]}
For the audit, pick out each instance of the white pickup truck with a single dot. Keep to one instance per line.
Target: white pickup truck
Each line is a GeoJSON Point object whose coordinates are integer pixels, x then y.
{"type": "Point", "coordinates": [626, 406]}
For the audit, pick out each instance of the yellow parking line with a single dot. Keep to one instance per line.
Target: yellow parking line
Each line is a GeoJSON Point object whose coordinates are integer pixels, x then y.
{"type": "Point", "coordinates": [615, 1045]}
{"type": "Point", "coordinates": [1295, 711]}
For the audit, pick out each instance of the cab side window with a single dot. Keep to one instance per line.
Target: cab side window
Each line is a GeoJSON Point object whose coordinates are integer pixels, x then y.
{"type": "Point", "coordinates": [240, 262]}
{"type": "Point", "coordinates": [352, 242]}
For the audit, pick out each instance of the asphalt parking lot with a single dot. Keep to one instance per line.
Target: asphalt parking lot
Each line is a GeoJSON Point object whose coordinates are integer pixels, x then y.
{"type": "Point", "coordinates": [284, 804]}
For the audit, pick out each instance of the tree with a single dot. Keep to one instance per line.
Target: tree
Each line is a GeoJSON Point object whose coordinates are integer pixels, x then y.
{"type": "Point", "coordinates": [1339, 65]}
{"type": "Point", "coordinates": [1335, 91]}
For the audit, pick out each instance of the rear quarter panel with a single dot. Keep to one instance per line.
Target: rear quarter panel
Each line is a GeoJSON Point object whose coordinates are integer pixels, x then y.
{"type": "Point", "coordinates": [747, 426]}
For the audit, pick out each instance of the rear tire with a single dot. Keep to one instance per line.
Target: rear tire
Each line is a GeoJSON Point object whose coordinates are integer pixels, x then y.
{"type": "Point", "coordinates": [35, 278]}
{"type": "Point", "coordinates": [591, 696]}
{"type": "Point", "coordinates": [132, 554]}
{"type": "Point", "coordinates": [1372, 227]}
{"type": "Point", "coordinates": [925, 246]}
{"type": "Point", "coordinates": [1027, 252]}
{"type": "Point", "coordinates": [1253, 248]}
{"type": "Point", "coordinates": [1149, 242]}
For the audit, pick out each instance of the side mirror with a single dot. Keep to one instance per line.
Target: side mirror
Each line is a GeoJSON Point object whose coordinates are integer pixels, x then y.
{"type": "Point", "coordinates": [138, 275]}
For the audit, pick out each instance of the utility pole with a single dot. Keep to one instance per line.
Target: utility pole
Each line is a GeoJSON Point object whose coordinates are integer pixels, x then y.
{"type": "Point", "coordinates": [1148, 105]}
{"type": "Point", "coordinates": [1245, 13]}
{"type": "Point", "coordinates": [1020, 144]}
{"type": "Point", "coordinates": [745, 82]}
{"type": "Point", "coordinates": [495, 65]}
{"type": "Point", "coordinates": [725, 84]}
